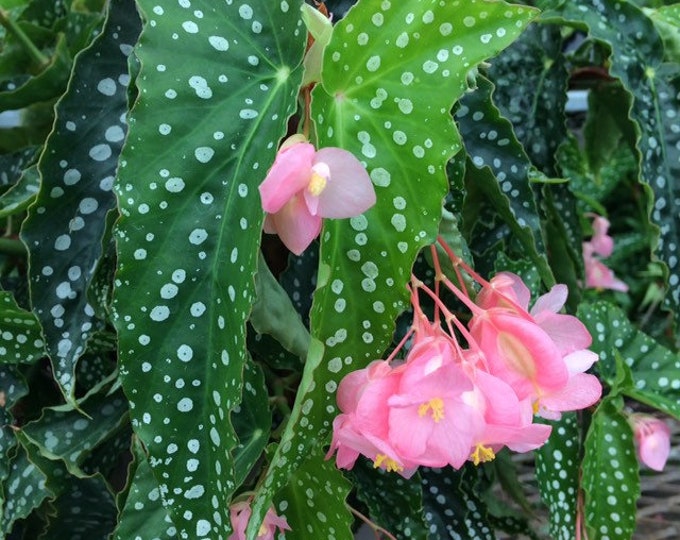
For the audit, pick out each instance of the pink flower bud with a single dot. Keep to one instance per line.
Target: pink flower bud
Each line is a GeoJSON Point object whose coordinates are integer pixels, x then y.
{"type": "Point", "coordinates": [653, 437]}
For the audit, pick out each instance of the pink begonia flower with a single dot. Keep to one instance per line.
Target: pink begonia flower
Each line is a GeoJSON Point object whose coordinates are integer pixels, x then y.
{"type": "Point", "coordinates": [602, 243]}
{"type": "Point", "coordinates": [508, 421]}
{"type": "Point", "coordinates": [240, 514]}
{"type": "Point", "coordinates": [305, 185]}
{"type": "Point", "coordinates": [598, 274]}
{"type": "Point", "coordinates": [429, 421]}
{"type": "Point", "coordinates": [363, 425]}
{"type": "Point", "coordinates": [653, 437]}
{"type": "Point", "coordinates": [540, 353]}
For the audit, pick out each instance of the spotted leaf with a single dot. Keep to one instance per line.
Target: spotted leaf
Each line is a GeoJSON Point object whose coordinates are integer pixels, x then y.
{"type": "Point", "coordinates": [452, 507]}
{"type": "Point", "coordinates": [66, 224]}
{"type": "Point", "coordinates": [655, 370]}
{"type": "Point", "coordinates": [142, 511]}
{"type": "Point", "coordinates": [316, 489]}
{"type": "Point", "coordinates": [67, 434]}
{"type": "Point", "coordinates": [84, 510]}
{"type": "Point", "coordinates": [21, 341]}
{"type": "Point", "coordinates": [394, 503]}
{"type": "Point", "coordinates": [531, 91]}
{"type": "Point", "coordinates": [610, 474]}
{"type": "Point", "coordinates": [24, 488]}
{"type": "Point", "coordinates": [490, 142]}
{"type": "Point", "coordinates": [391, 74]}
{"type": "Point", "coordinates": [216, 87]}
{"type": "Point", "coordinates": [22, 194]}
{"type": "Point", "coordinates": [46, 85]}
{"type": "Point", "coordinates": [557, 471]}
{"type": "Point", "coordinates": [637, 60]}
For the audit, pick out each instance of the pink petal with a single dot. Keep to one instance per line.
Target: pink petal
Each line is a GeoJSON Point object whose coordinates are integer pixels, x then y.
{"type": "Point", "coordinates": [552, 301]}
{"type": "Point", "coordinates": [504, 285]}
{"type": "Point", "coordinates": [580, 361]}
{"type": "Point", "coordinates": [295, 225]}
{"type": "Point", "coordinates": [349, 191]}
{"type": "Point", "coordinates": [581, 391]}
{"type": "Point", "coordinates": [568, 333]}
{"type": "Point", "coordinates": [289, 174]}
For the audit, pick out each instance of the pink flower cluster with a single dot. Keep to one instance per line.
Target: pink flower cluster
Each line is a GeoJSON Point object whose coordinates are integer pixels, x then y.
{"type": "Point", "coordinates": [447, 403]}
{"type": "Point", "coordinates": [240, 514]}
{"type": "Point", "coordinates": [598, 274]}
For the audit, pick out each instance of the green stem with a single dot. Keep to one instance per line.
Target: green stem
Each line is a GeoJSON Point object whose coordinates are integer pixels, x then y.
{"type": "Point", "coordinates": [12, 27]}
{"type": "Point", "coordinates": [10, 246]}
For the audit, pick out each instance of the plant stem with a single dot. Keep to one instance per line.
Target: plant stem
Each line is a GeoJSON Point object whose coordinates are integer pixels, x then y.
{"type": "Point", "coordinates": [12, 27]}
{"type": "Point", "coordinates": [11, 246]}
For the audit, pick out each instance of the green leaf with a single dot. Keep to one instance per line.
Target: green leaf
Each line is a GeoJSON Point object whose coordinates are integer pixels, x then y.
{"type": "Point", "coordinates": [557, 472]}
{"type": "Point", "coordinates": [252, 422]}
{"type": "Point", "coordinates": [655, 370]}
{"type": "Point", "coordinates": [85, 510]}
{"type": "Point", "coordinates": [667, 22]}
{"type": "Point", "coordinates": [65, 226]}
{"type": "Point", "coordinates": [21, 340]}
{"type": "Point", "coordinates": [394, 503]}
{"type": "Point", "coordinates": [143, 514]}
{"type": "Point", "coordinates": [452, 507]}
{"type": "Point", "coordinates": [531, 91]}
{"type": "Point", "coordinates": [637, 56]}
{"type": "Point", "coordinates": [65, 433]}
{"type": "Point", "coordinates": [46, 85]}
{"type": "Point", "coordinates": [273, 313]}
{"type": "Point", "coordinates": [12, 165]}
{"type": "Point", "coordinates": [22, 194]}
{"type": "Point", "coordinates": [313, 502]}
{"type": "Point", "coordinates": [213, 102]}
{"type": "Point", "coordinates": [24, 489]}
{"type": "Point", "coordinates": [490, 142]}
{"type": "Point", "coordinates": [391, 74]}
{"type": "Point", "coordinates": [12, 388]}
{"type": "Point", "coordinates": [610, 474]}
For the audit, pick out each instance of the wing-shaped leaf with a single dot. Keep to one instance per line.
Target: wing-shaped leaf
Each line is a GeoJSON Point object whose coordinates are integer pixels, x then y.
{"type": "Point", "coordinates": [215, 94]}
{"type": "Point", "coordinates": [557, 470]}
{"type": "Point", "coordinates": [394, 503]}
{"type": "Point", "coordinates": [391, 74]}
{"type": "Point", "coordinates": [67, 434]}
{"type": "Point", "coordinates": [22, 194]}
{"type": "Point", "coordinates": [21, 340]}
{"type": "Point", "coordinates": [143, 512]}
{"type": "Point", "coordinates": [637, 56]}
{"type": "Point", "coordinates": [66, 224]}
{"type": "Point", "coordinates": [490, 141]}
{"type": "Point", "coordinates": [531, 91]}
{"type": "Point", "coordinates": [655, 370]}
{"type": "Point", "coordinates": [316, 489]}
{"type": "Point", "coordinates": [610, 474]}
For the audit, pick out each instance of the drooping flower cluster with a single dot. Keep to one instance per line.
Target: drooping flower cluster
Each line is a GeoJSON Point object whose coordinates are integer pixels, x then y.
{"type": "Point", "coordinates": [239, 514]}
{"type": "Point", "coordinates": [446, 402]}
{"type": "Point", "coordinates": [305, 185]}
{"type": "Point", "coordinates": [598, 274]}
{"type": "Point", "coordinates": [653, 439]}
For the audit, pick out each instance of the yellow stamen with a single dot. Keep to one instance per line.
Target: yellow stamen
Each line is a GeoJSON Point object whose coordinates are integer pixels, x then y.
{"type": "Point", "coordinates": [436, 408]}
{"type": "Point", "coordinates": [482, 454]}
{"type": "Point", "coordinates": [390, 464]}
{"type": "Point", "coordinates": [263, 530]}
{"type": "Point", "coordinates": [317, 184]}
